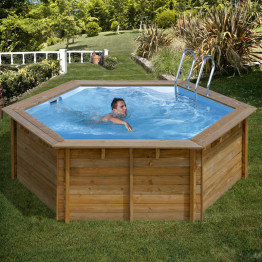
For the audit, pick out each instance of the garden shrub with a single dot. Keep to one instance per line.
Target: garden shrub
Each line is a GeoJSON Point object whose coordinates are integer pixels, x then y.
{"type": "Point", "coordinates": [114, 26]}
{"type": "Point", "coordinates": [110, 62]}
{"type": "Point", "coordinates": [150, 40]}
{"type": "Point", "coordinates": [27, 77]}
{"type": "Point", "coordinates": [92, 29]}
{"type": "Point", "coordinates": [226, 34]}
{"type": "Point", "coordinates": [166, 19]}
{"type": "Point", "coordinates": [51, 41]}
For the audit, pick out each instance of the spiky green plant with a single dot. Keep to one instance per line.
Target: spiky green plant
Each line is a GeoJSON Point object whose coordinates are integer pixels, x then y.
{"type": "Point", "coordinates": [226, 34]}
{"type": "Point", "coordinates": [150, 40]}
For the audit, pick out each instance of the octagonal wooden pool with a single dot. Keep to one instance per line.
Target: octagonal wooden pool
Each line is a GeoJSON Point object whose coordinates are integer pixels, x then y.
{"type": "Point", "coordinates": [128, 179]}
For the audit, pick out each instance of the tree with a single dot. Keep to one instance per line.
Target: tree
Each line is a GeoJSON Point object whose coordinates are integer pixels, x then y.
{"type": "Point", "coordinates": [130, 15]}
{"type": "Point", "coordinates": [63, 20]}
{"type": "Point", "coordinates": [97, 9]}
{"type": "Point", "coordinates": [119, 6]}
{"type": "Point", "coordinates": [19, 7]}
{"type": "Point", "coordinates": [20, 34]}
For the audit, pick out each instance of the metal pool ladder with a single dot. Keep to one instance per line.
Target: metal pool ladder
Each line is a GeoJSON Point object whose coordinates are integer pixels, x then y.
{"type": "Point", "coordinates": [200, 73]}
{"type": "Point", "coordinates": [179, 69]}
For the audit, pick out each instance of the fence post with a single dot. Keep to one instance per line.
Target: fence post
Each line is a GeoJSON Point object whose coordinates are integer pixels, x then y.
{"type": "Point", "coordinates": [63, 61]}
{"type": "Point", "coordinates": [105, 52]}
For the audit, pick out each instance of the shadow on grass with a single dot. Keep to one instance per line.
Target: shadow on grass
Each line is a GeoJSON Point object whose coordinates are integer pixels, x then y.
{"type": "Point", "coordinates": [80, 47]}
{"type": "Point", "coordinates": [113, 33]}
{"type": "Point", "coordinates": [14, 192]}
{"type": "Point", "coordinates": [245, 88]}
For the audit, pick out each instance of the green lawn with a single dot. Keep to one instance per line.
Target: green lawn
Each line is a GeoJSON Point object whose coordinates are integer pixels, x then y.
{"type": "Point", "coordinates": [231, 229]}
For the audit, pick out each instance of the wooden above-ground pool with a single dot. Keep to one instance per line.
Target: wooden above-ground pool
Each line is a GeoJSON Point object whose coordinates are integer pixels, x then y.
{"type": "Point", "coordinates": [128, 179]}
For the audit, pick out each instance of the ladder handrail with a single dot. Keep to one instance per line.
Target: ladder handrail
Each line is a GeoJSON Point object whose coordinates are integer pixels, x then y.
{"type": "Point", "coordinates": [200, 73]}
{"type": "Point", "coordinates": [179, 69]}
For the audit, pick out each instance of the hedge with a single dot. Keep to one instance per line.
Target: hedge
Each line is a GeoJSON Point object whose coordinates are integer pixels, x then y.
{"type": "Point", "coordinates": [16, 83]}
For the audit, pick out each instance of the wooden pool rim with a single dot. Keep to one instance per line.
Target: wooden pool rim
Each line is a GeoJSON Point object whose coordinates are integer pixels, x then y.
{"type": "Point", "coordinates": [151, 179]}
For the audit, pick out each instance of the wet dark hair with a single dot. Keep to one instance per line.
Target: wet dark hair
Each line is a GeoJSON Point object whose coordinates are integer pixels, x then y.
{"type": "Point", "coordinates": [114, 102]}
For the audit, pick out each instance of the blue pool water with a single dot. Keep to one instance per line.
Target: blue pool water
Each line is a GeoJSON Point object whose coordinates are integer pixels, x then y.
{"type": "Point", "coordinates": [152, 112]}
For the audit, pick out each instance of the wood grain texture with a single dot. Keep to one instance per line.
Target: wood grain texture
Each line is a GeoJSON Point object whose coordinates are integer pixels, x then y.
{"type": "Point", "coordinates": [36, 166]}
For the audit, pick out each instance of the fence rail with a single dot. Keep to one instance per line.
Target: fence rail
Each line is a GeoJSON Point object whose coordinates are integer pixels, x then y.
{"type": "Point", "coordinates": [63, 55]}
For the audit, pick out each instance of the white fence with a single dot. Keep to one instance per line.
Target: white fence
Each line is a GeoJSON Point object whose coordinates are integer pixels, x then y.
{"type": "Point", "coordinates": [63, 55]}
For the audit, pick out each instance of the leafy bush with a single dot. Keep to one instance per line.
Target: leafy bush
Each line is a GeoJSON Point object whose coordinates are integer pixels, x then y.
{"type": "Point", "coordinates": [166, 19]}
{"type": "Point", "coordinates": [52, 40]}
{"type": "Point", "coordinates": [92, 29]}
{"type": "Point", "coordinates": [27, 77]}
{"type": "Point", "coordinates": [167, 60]}
{"type": "Point", "coordinates": [110, 62]}
{"type": "Point", "coordinates": [114, 26]}
{"type": "Point", "coordinates": [226, 34]}
{"type": "Point", "coordinates": [150, 40]}
{"type": "Point", "coordinates": [5, 68]}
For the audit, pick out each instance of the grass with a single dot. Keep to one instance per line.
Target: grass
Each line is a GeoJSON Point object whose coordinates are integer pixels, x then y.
{"type": "Point", "coordinates": [167, 60]}
{"type": "Point", "coordinates": [231, 229]}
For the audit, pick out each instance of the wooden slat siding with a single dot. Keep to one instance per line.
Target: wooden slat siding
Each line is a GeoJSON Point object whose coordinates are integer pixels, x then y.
{"type": "Point", "coordinates": [44, 190]}
{"type": "Point", "coordinates": [164, 199]}
{"type": "Point", "coordinates": [245, 149]}
{"type": "Point", "coordinates": [86, 153]}
{"type": "Point", "coordinates": [222, 171]}
{"type": "Point", "coordinates": [222, 166]}
{"type": "Point", "coordinates": [67, 185]}
{"type": "Point", "coordinates": [99, 199]}
{"type": "Point", "coordinates": [223, 154]}
{"type": "Point", "coordinates": [100, 180]}
{"type": "Point", "coordinates": [157, 153]}
{"type": "Point", "coordinates": [100, 190]}
{"type": "Point", "coordinates": [160, 175]}
{"type": "Point", "coordinates": [96, 163]}
{"type": "Point", "coordinates": [34, 150]}
{"type": "Point", "coordinates": [103, 153]}
{"type": "Point", "coordinates": [165, 153]}
{"type": "Point", "coordinates": [131, 184]}
{"type": "Point", "coordinates": [35, 162]}
{"type": "Point", "coordinates": [151, 179]}
{"type": "Point", "coordinates": [35, 169]}
{"type": "Point", "coordinates": [107, 179]}
{"type": "Point", "coordinates": [99, 208]}
{"type": "Point", "coordinates": [58, 181]}
{"type": "Point", "coordinates": [61, 184]}
{"type": "Point", "coordinates": [216, 179]}
{"type": "Point", "coordinates": [99, 216]}
{"type": "Point", "coordinates": [169, 171]}
{"type": "Point", "coordinates": [202, 187]}
{"type": "Point", "coordinates": [175, 215]}
{"type": "Point", "coordinates": [13, 149]}
{"type": "Point", "coordinates": [31, 148]}
{"type": "Point", "coordinates": [99, 172]}
{"type": "Point", "coordinates": [224, 184]}
{"type": "Point", "coordinates": [218, 141]}
{"type": "Point", "coordinates": [192, 184]}
{"type": "Point", "coordinates": [221, 163]}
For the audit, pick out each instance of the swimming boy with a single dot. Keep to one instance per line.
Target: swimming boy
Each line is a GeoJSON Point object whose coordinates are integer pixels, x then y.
{"type": "Point", "coordinates": [118, 106]}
